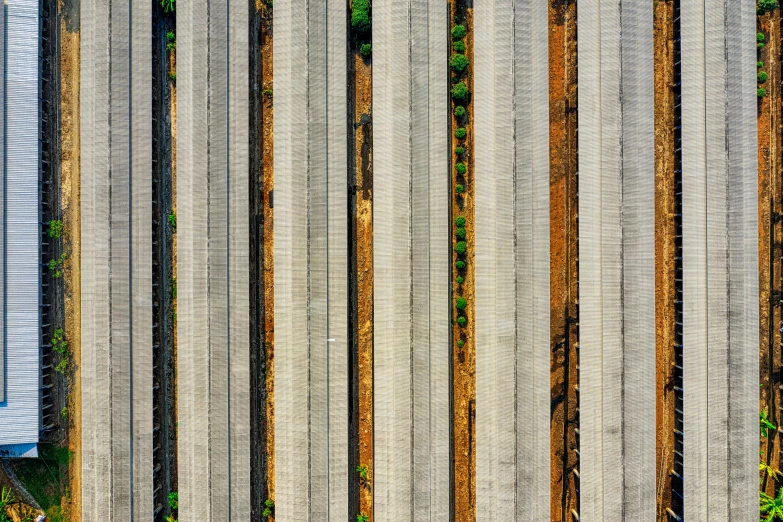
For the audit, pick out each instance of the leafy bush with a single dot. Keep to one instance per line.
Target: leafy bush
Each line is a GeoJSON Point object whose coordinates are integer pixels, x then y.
{"type": "Point", "coordinates": [460, 265]}
{"type": "Point", "coordinates": [460, 133]}
{"type": "Point", "coordinates": [759, 64]}
{"type": "Point", "coordinates": [460, 92]}
{"type": "Point", "coordinates": [460, 151]}
{"type": "Point", "coordinates": [365, 50]}
{"type": "Point", "coordinates": [460, 343]}
{"type": "Point", "coordinates": [174, 500]}
{"type": "Point", "coordinates": [458, 63]}
{"type": "Point", "coordinates": [362, 518]}
{"type": "Point", "coordinates": [459, 111]}
{"type": "Point", "coordinates": [461, 303]}
{"type": "Point", "coordinates": [269, 508]}
{"type": "Point", "coordinates": [361, 21]}
{"type": "Point", "coordinates": [168, 5]}
{"type": "Point", "coordinates": [460, 221]}
{"type": "Point", "coordinates": [461, 168]}
{"type": "Point", "coordinates": [458, 32]}
{"type": "Point", "coordinates": [460, 233]}
{"type": "Point", "coordinates": [761, 92]}
{"type": "Point", "coordinates": [763, 77]}
{"type": "Point", "coordinates": [171, 41]}
{"type": "Point", "coordinates": [759, 46]}
{"type": "Point", "coordinates": [765, 6]}
{"type": "Point", "coordinates": [759, 37]}
{"type": "Point", "coordinates": [55, 229]}
{"type": "Point", "coordinates": [459, 46]}
{"type": "Point", "coordinates": [460, 247]}
{"type": "Point", "coordinates": [459, 188]}
{"type": "Point", "coordinates": [460, 280]}
{"type": "Point", "coordinates": [462, 320]}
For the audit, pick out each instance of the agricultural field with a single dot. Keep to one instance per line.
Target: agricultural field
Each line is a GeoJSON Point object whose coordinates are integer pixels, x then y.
{"type": "Point", "coordinates": [384, 261]}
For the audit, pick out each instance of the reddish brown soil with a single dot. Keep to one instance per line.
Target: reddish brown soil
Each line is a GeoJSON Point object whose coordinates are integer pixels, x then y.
{"type": "Point", "coordinates": [267, 144]}
{"type": "Point", "coordinates": [70, 67]}
{"type": "Point", "coordinates": [769, 159]}
{"type": "Point", "coordinates": [464, 359]}
{"type": "Point", "coordinates": [563, 256]}
{"type": "Point", "coordinates": [665, 232]}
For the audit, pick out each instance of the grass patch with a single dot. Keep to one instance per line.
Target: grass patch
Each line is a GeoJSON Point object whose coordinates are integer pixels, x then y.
{"type": "Point", "coordinates": [44, 478]}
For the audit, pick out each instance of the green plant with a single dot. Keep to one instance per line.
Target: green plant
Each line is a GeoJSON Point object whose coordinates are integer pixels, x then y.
{"type": "Point", "coordinates": [460, 221]}
{"type": "Point", "coordinates": [761, 92]}
{"type": "Point", "coordinates": [459, 151]}
{"type": "Point", "coordinates": [59, 344]}
{"type": "Point", "coordinates": [170, 518]}
{"type": "Point", "coordinates": [64, 413]}
{"type": "Point", "coordinates": [461, 303]}
{"type": "Point", "coordinates": [460, 233]}
{"type": "Point", "coordinates": [62, 366]}
{"type": "Point", "coordinates": [460, 92]}
{"type": "Point", "coordinates": [765, 424]}
{"type": "Point", "coordinates": [460, 133]}
{"type": "Point", "coordinates": [458, 32]}
{"type": "Point", "coordinates": [460, 343]}
{"type": "Point", "coordinates": [460, 247]}
{"type": "Point", "coordinates": [55, 229]}
{"type": "Point", "coordinates": [759, 37]}
{"type": "Point", "coordinates": [766, 470]}
{"type": "Point", "coordinates": [267, 93]}
{"type": "Point", "coordinates": [171, 41]}
{"type": "Point", "coordinates": [269, 507]}
{"type": "Point", "coordinates": [461, 168]}
{"type": "Point", "coordinates": [174, 500]}
{"type": "Point", "coordinates": [6, 499]}
{"type": "Point", "coordinates": [759, 64]}
{"type": "Point", "coordinates": [459, 188]}
{"type": "Point", "coordinates": [460, 265]}
{"type": "Point", "coordinates": [363, 472]}
{"type": "Point", "coordinates": [459, 111]}
{"type": "Point", "coordinates": [362, 518]}
{"type": "Point", "coordinates": [172, 219]}
{"type": "Point", "coordinates": [56, 266]}
{"type": "Point", "coordinates": [365, 50]}
{"type": "Point", "coordinates": [361, 20]}
{"type": "Point", "coordinates": [458, 63]}
{"type": "Point", "coordinates": [459, 46]}
{"type": "Point", "coordinates": [168, 5]}
{"type": "Point", "coordinates": [765, 6]}
{"type": "Point", "coordinates": [172, 76]}
{"type": "Point", "coordinates": [771, 508]}
{"type": "Point", "coordinates": [462, 320]}
{"type": "Point", "coordinates": [760, 46]}
{"type": "Point", "coordinates": [460, 280]}
{"type": "Point", "coordinates": [762, 77]}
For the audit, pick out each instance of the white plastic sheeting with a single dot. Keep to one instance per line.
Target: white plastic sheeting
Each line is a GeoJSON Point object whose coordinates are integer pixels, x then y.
{"type": "Point", "coordinates": [511, 102]}
{"type": "Point", "coordinates": [720, 259]}
{"type": "Point", "coordinates": [311, 261]}
{"type": "Point", "coordinates": [213, 239]}
{"type": "Point", "coordinates": [616, 261]}
{"type": "Point", "coordinates": [116, 242]}
{"type": "Point", "coordinates": [20, 270]}
{"type": "Point", "coordinates": [411, 260]}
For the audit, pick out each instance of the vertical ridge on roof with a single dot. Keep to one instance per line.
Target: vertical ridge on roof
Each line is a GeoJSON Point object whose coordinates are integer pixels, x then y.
{"type": "Point", "coordinates": [3, 117]}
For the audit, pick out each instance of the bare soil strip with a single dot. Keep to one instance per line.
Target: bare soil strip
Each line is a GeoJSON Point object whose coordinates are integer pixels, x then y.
{"type": "Point", "coordinates": [770, 236]}
{"type": "Point", "coordinates": [71, 209]}
{"type": "Point", "coordinates": [360, 92]}
{"type": "Point", "coordinates": [564, 286]}
{"type": "Point", "coordinates": [464, 357]}
{"type": "Point", "coordinates": [665, 234]}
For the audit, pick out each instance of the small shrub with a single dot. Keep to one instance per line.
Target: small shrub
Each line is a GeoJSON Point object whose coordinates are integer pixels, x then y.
{"type": "Point", "coordinates": [171, 41]}
{"type": "Point", "coordinates": [269, 508]}
{"type": "Point", "coordinates": [268, 93]}
{"type": "Point", "coordinates": [460, 265]}
{"type": "Point", "coordinates": [56, 266]}
{"type": "Point", "coordinates": [460, 247]}
{"type": "Point", "coordinates": [461, 303]}
{"type": "Point", "coordinates": [460, 233]}
{"type": "Point", "coordinates": [362, 518]}
{"type": "Point", "coordinates": [172, 219]}
{"type": "Point", "coordinates": [765, 6]}
{"type": "Point", "coordinates": [459, 111]}
{"type": "Point", "coordinates": [361, 21]}
{"type": "Point", "coordinates": [458, 32]}
{"type": "Point", "coordinates": [365, 50]}
{"type": "Point", "coordinates": [460, 92]}
{"type": "Point", "coordinates": [761, 92]}
{"type": "Point", "coordinates": [763, 77]}
{"type": "Point", "coordinates": [461, 168]}
{"type": "Point", "coordinates": [364, 473]}
{"type": "Point", "coordinates": [759, 64]}
{"type": "Point", "coordinates": [462, 320]}
{"type": "Point", "coordinates": [174, 500]}
{"type": "Point", "coordinates": [760, 46]}
{"type": "Point", "coordinates": [460, 221]}
{"type": "Point", "coordinates": [459, 189]}
{"type": "Point", "coordinates": [460, 133]}
{"type": "Point", "coordinates": [460, 343]}
{"type": "Point", "coordinates": [64, 413]}
{"type": "Point", "coordinates": [168, 5]}
{"type": "Point", "coordinates": [459, 151]}
{"type": "Point", "coordinates": [460, 280]}
{"type": "Point", "coordinates": [458, 63]}
{"type": "Point", "coordinates": [459, 46]}
{"type": "Point", "coordinates": [55, 229]}
{"type": "Point", "coordinates": [172, 76]}
{"type": "Point", "coordinates": [759, 37]}
{"type": "Point", "coordinates": [62, 366]}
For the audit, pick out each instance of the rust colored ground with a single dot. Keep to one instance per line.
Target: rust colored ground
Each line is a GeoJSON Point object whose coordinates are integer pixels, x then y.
{"type": "Point", "coordinates": [362, 95]}
{"type": "Point", "coordinates": [464, 358]}
{"type": "Point", "coordinates": [564, 289]}
{"type": "Point", "coordinates": [770, 236]}
{"type": "Point", "coordinates": [665, 233]}
{"type": "Point", "coordinates": [70, 70]}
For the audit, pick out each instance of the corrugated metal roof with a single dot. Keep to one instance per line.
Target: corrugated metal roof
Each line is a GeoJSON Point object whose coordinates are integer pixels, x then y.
{"type": "Point", "coordinates": [19, 413]}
